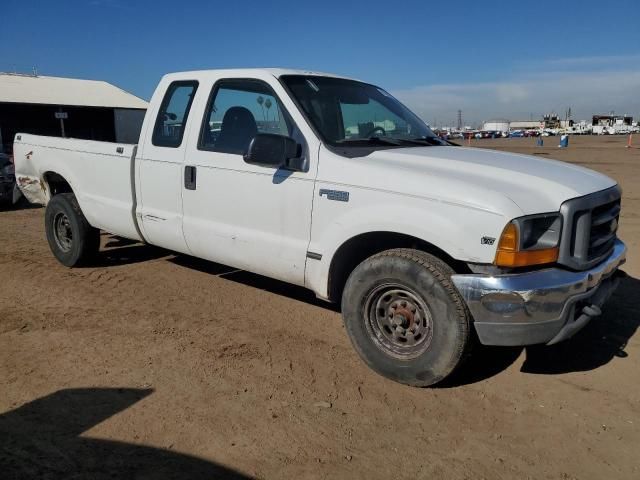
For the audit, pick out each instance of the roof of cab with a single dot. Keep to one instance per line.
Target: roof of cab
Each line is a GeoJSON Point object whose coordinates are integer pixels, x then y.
{"type": "Point", "coordinates": [247, 72]}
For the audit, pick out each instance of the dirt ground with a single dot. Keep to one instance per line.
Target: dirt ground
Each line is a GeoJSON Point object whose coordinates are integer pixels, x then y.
{"type": "Point", "coordinates": [153, 365]}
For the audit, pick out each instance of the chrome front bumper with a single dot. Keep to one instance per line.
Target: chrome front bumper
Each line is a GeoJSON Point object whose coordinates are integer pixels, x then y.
{"type": "Point", "coordinates": [543, 306]}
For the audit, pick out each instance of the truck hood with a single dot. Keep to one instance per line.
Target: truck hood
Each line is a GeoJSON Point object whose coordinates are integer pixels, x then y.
{"type": "Point", "coordinates": [479, 176]}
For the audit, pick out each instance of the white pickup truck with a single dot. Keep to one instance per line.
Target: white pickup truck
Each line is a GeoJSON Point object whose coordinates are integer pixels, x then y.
{"type": "Point", "coordinates": [332, 184]}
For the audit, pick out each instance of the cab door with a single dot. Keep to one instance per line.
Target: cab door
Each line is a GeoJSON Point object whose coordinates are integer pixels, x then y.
{"type": "Point", "coordinates": [160, 166]}
{"type": "Point", "coordinates": [248, 216]}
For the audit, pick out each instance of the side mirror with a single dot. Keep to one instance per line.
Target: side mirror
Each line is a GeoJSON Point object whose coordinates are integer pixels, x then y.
{"type": "Point", "coordinates": [270, 150]}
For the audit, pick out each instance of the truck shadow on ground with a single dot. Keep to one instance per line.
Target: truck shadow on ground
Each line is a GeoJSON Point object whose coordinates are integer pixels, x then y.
{"type": "Point", "coordinates": [254, 280]}
{"type": "Point", "coordinates": [116, 251]}
{"type": "Point", "coordinates": [602, 340]}
{"type": "Point", "coordinates": [21, 204]}
{"type": "Point", "coordinates": [42, 440]}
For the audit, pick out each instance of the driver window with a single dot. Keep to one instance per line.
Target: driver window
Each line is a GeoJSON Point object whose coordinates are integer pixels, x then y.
{"type": "Point", "coordinates": [238, 110]}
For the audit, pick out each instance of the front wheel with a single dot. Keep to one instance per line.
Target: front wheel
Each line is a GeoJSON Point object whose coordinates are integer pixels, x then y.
{"type": "Point", "coordinates": [405, 318]}
{"type": "Point", "coordinates": [72, 240]}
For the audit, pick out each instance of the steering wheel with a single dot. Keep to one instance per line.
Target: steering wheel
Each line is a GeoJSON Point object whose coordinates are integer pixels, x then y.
{"type": "Point", "coordinates": [374, 130]}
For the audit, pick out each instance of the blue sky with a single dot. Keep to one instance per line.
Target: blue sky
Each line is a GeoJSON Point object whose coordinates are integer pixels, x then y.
{"type": "Point", "coordinates": [490, 59]}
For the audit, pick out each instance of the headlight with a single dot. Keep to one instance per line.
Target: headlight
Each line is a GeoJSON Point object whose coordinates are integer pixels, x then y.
{"type": "Point", "coordinates": [531, 240]}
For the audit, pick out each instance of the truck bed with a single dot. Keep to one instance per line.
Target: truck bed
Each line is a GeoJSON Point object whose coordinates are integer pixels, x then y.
{"type": "Point", "coordinates": [100, 174]}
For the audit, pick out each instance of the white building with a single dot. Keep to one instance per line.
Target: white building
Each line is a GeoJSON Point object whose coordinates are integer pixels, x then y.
{"type": "Point", "coordinates": [526, 125]}
{"type": "Point", "coordinates": [497, 125]}
{"type": "Point", "coordinates": [89, 109]}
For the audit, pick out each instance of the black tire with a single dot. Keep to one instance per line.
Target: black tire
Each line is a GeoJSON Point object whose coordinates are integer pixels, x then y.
{"type": "Point", "coordinates": [72, 240]}
{"type": "Point", "coordinates": [412, 290]}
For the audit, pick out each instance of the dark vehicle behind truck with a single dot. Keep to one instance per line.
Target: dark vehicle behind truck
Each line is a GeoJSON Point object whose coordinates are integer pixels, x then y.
{"type": "Point", "coordinates": [9, 194]}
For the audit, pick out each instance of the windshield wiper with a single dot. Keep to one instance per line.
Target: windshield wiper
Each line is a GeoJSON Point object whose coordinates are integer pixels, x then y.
{"type": "Point", "coordinates": [396, 142]}
{"type": "Point", "coordinates": [429, 141]}
{"type": "Point", "coordinates": [375, 140]}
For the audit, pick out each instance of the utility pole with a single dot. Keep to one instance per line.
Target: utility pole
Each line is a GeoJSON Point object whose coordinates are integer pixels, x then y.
{"type": "Point", "coordinates": [459, 119]}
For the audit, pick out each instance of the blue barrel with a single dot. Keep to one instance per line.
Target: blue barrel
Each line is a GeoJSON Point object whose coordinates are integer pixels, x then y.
{"type": "Point", "coordinates": [564, 141]}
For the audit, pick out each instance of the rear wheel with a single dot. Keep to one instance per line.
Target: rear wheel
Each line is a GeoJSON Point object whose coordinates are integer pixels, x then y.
{"type": "Point", "coordinates": [405, 318]}
{"type": "Point", "coordinates": [72, 240]}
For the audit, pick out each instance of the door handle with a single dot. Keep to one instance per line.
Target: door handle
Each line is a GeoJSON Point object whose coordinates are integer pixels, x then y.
{"type": "Point", "coordinates": [190, 177]}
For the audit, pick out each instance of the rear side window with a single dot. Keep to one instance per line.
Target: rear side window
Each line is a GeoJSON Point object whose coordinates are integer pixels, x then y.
{"type": "Point", "coordinates": [172, 117]}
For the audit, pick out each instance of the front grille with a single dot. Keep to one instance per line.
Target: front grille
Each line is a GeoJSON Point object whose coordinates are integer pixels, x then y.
{"type": "Point", "coordinates": [589, 230]}
{"type": "Point", "coordinates": [604, 225]}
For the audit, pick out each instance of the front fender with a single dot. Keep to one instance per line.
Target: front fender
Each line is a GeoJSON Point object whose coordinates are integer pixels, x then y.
{"type": "Point", "coordinates": [455, 229]}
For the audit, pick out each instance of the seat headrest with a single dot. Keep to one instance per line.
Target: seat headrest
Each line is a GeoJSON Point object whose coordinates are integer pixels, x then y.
{"type": "Point", "coordinates": [237, 118]}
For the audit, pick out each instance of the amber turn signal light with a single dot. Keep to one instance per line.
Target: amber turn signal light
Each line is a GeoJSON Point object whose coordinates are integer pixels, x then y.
{"type": "Point", "coordinates": [510, 255]}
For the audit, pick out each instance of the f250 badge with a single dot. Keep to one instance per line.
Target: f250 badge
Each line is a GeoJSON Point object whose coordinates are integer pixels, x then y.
{"type": "Point", "coordinates": [487, 240]}
{"type": "Point", "coordinates": [337, 195]}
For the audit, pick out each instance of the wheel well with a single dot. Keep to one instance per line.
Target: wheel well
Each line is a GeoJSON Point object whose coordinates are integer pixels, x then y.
{"type": "Point", "coordinates": [357, 249]}
{"type": "Point", "coordinates": [56, 183]}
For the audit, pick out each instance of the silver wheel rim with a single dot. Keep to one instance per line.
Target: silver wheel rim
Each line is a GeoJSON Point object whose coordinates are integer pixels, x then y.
{"type": "Point", "coordinates": [62, 232]}
{"type": "Point", "coordinates": [398, 321]}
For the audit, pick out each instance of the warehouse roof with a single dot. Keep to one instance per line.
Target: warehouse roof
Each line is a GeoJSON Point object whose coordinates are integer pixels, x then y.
{"type": "Point", "coordinates": [17, 88]}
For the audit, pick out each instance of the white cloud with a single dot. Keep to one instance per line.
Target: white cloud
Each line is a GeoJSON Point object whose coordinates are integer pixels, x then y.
{"type": "Point", "coordinates": [587, 85]}
{"type": "Point", "coordinates": [510, 93]}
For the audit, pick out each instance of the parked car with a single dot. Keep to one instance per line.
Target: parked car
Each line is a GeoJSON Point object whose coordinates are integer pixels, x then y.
{"type": "Point", "coordinates": [516, 134]}
{"type": "Point", "coordinates": [490, 134]}
{"type": "Point", "coordinates": [442, 134]}
{"type": "Point", "coordinates": [420, 242]}
{"type": "Point", "coordinates": [7, 180]}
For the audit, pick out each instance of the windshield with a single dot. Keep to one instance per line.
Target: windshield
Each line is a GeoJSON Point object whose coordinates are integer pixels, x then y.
{"type": "Point", "coordinates": [350, 113]}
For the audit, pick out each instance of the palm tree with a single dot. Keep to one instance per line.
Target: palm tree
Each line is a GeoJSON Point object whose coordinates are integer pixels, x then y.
{"type": "Point", "coordinates": [260, 101]}
{"type": "Point", "coordinates": [267, 103]}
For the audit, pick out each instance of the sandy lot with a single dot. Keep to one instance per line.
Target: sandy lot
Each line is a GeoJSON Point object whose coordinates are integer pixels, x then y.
{"type": "Point", "coordinates": [153, 365]}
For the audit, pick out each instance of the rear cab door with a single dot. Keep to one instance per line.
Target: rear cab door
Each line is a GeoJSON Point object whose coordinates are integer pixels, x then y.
{"type": "Point", "coordinates": [160, 161]}
{"type": "Point", "coordinates": [252, 217]}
